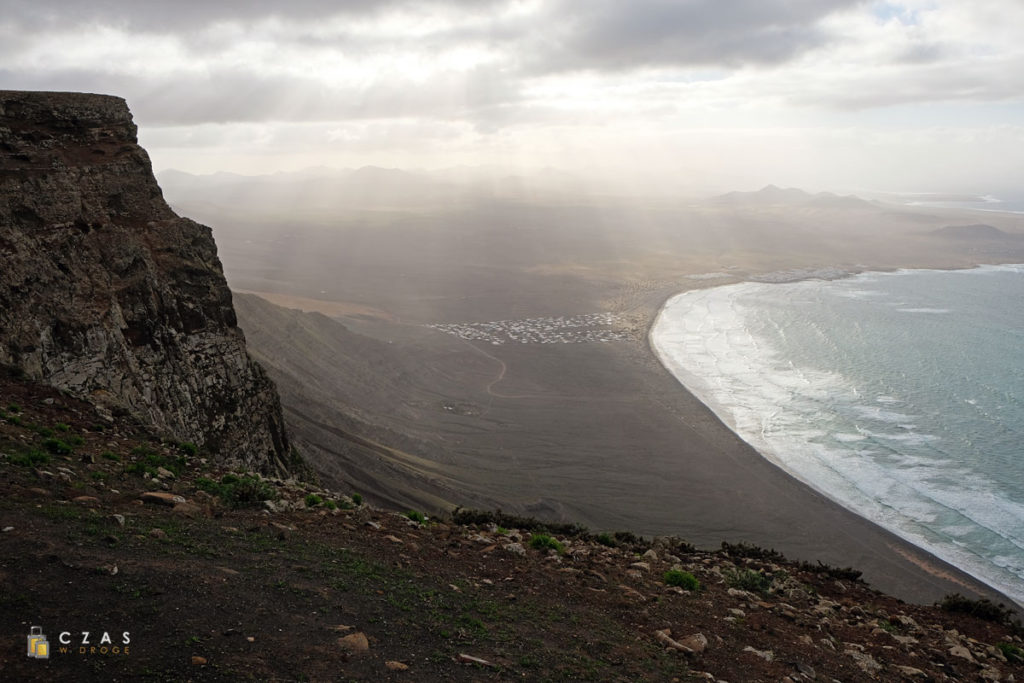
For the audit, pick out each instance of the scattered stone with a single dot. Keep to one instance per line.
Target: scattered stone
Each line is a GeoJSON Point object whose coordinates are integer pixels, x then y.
{"type": "Point", "coordinates": [693, 644]}
{"type": "Point", "coordinates": [164, 473]}
{"type": "Point", "coordinates": [697, 642]}
{"type": "Point", "coordinates": [341, 628]}
{"type": "Point", "coordinates": [355, 642]}
{"type": "Point", "coordinates": [281, 531]}
{"type": "Point", "coordinates": [250, 639]}
{"type": "Point", "coordinates": [766, 655]}
{"type": "Point", "coordinates": [118, 518]}
{"type": "Point", "coordinates": [470, 659]}
{"type": "Point", "coordinates": [158, 534]}
{"type": "Point", "coordinates": [373, 525]}
{"type": "Point", "coordinates": [8, 528]}
{"type": "Point", "coordinates": [161, 498]}
{"type": "Point", "coordinates": [738, 613]}
{"type": "Point", "coordinates": [806, 670]}
{"type": "Point", "coordinates": [643, 566]}
{"type": "Point", "coordinates": [515, 549]}
{"type": "Point", "coordinates": [961, 652]}
{"type": "Point", "coordinates": [631, 592]}
{"type": "Point", "coordinates": [190, 510]}
{"type": "Point", "coordinates": [911, 672]}
{"type": "Point", "coordinates": [866, 662]}
{"type": "Point", "coordinates": [198, 661]}
{"type": "Point", "coordinates": [86, 500]}
{"type": "Point", "coordinates": [396, 666]}
{"type": "Point", "coordinates": [393, 539]}
{"type": "Point", "coordinates": [651, 555]}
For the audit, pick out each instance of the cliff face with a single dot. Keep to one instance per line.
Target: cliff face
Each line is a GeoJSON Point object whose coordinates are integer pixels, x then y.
{"type": "Point", "coordinates": [107, 294]}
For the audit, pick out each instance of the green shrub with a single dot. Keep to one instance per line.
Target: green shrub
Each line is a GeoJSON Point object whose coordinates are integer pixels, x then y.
{"type": "Point", "coordinates": [606, 539]}
{"type": "Point", "coordinates": [149, 461]}
{"type": "Point", "coordinates": [466, 517]}
{"type": "Point", "coordinates": [983, 608]}
{"type": "Point", "coordinates": [30, 458]}
{"type": "Point", "coordinates": [189, 449]}
{"type": "Point", "coordinates": [14, 407]}
{"type": "Point", "coordinates": [76, 440]}
{"type": "Point", "coordinates": [685, 580]}
{"type": "Point", "coordinates": [236, 491]}
{"type": "Point", "coordinates": [330, 504]}
{"type": "Point", "coordinates": [57, 447]}
{"type": "Point", "coordinates": [357, 499]}
{"type": "Point", "coordinates": [752, 551]}
{"type": "Point", "coordinates": [62, 427]}
{"type": "Point", "coordinates": [545, 542]}
{"type": "Point", "coordinates": [748, 580]}
{"type": "Point", "coordinates": [417, 517]}
{"type": "Point", "coordinates": [1012, 652]}
{"type": "Point", "coordinates": [312, 500]}
{"type": "Point", "coordinates": [45, 432]}
{"type": "Point", "coordinates": [109, 455]}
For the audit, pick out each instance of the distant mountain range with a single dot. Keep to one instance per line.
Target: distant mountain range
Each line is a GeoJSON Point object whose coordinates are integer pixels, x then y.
{"type": "Point", "coordinates": [771, 195]}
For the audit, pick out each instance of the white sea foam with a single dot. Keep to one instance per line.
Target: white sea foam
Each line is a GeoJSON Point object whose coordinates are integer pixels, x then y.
{"type": "Point", "coordinates": [840, 438]}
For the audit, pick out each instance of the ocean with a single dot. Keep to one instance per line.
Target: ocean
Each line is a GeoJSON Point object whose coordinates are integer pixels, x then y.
{"type": "Point", "coordinates": [898, 395]}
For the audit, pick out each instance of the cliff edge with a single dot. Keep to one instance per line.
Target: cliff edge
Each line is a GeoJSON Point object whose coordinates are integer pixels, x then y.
{"type": "Point", "coordinates": [107, 294]}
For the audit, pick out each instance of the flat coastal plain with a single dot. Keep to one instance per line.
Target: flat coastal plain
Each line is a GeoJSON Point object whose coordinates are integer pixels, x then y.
{"type": "Point", "coordinates": [514, 371]}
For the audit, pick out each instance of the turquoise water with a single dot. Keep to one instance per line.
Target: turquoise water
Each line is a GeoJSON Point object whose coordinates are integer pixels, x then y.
{"type": "Point", "coordinates": [899, 395]}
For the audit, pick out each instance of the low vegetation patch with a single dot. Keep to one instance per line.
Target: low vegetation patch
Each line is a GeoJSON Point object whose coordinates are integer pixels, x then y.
{"type": "Point", "coordinates": [983, 609]}
{"type": "Point", "coordinates": [1011, 652]}
{"type": "Point", "coordinates": [746, 550]}
{"type": "Point", "coordinates": [238, 491]}
{"type": "Point", "coordinates": [545, 542]}
{"type": "Point", "coordinates": [312, 500]}
{"type": "Point", "coordinates": [58, 447]}
{"type": "Point", "coordinates": [30, 458]}
{"type": "Point", "coordinates": [148, 461]}
{"type": "Point", "coordinates": [416, 516]}
{"type": "Point", "coordinates": [748, 580]}
{"type": "Point", "coordinates": [499, 518]}
{"type": "Point", "coordinates": [684, 580]}
{"type": "Point", "coordinates": [841, 573]}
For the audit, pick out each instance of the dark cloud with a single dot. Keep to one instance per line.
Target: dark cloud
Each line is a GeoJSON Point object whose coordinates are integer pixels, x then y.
{"type": "Point", "coordinates": [614, 35]}
{"type": "Point", "coordinates": [233, 95]}
{"type": "Point", "coordinates": [181, 15]}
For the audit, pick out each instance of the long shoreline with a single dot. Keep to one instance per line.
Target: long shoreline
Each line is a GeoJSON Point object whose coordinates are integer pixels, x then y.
{"type": "Point", "coordinates": [941, 567]}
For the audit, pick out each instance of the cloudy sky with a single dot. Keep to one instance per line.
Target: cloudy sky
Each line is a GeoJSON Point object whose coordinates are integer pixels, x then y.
{"type": "Point", "coordinates": [921, 95]}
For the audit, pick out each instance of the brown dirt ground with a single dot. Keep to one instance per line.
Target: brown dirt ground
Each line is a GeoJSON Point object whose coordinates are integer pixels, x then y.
{"type": "Point", "coordinates": [262, 596]}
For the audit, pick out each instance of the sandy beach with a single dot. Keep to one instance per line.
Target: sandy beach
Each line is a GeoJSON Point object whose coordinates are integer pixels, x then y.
{"type": "Point", "coordinates": [599, 434]}
{"type": "Point", "coordinates": [381, 399]}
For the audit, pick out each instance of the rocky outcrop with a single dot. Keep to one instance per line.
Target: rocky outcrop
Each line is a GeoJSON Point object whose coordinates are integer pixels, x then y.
{"type": "Point", "coordinates": [107, 294]}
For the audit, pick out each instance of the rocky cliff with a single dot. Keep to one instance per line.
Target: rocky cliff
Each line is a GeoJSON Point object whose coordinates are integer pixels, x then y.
{"type": "Point", "coordinates": [107, 294]}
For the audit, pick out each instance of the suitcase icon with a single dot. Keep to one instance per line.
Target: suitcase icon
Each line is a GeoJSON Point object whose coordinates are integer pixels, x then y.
{"type": "Point", "coordinates": [38, 647]}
